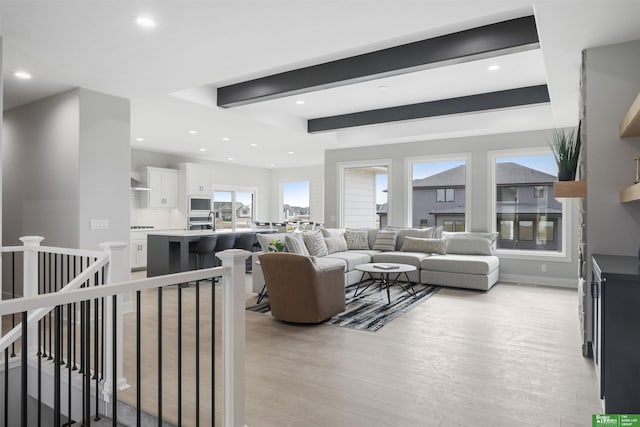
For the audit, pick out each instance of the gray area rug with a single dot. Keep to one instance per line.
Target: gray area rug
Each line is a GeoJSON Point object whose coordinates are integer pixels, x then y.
{"type": "Point", "coordinates": [370, 311]}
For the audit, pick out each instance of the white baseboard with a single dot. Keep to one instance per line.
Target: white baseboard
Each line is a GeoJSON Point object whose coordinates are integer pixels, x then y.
{"type": "Point", "coordinates": [537, 280]}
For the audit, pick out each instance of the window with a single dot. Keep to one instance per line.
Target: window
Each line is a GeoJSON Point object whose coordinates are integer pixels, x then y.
{"type": "Point", "coordinates": [364, 198]}
{"type": "Point", "coordinates": [295, 201]}
{"type": "Point", "coordinates": [527, 217]}
{"type": "Point", "coordinates": [438, 194]}
{"type": "Point", "coordinates": [233, 209]}
{"type": "Point", "coordinates": [445, 195]}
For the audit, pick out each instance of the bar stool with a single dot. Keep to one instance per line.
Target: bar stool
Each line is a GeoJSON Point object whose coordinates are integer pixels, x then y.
{"type": "Point", "coordinates": [248, 242]}
{"type": "Point", "coordinates": [225, 241]}
{"type": "Point", "coordinates": [206, 246]}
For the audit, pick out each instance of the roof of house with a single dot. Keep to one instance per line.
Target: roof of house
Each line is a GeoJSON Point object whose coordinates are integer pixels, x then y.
{"type": "Point", "coordinates": [506, 173]}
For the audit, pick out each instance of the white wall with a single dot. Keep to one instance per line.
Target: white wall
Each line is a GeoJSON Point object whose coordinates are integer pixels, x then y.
{"type": "Point", "coordinates": [359, 198]}
{"type": "Point", "coordinates": [562, 272]}
{"type": "Point", "coordinates": [313, 174]}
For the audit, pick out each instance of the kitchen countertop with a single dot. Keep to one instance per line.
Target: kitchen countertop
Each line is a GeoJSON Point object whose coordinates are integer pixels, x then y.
{"type": "Point", "coordinates": [187, 233]}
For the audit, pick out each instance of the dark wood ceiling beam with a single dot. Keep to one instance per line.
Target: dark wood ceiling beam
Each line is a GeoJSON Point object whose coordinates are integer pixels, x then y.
{"type": "Point", "coordinates": [465, 104]}
{"type": "Point", "coordinates": [490, 40]}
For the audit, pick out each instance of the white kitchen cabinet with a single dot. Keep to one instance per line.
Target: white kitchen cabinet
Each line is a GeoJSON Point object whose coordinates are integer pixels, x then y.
{"type": "Point", "coordinates": [198, 179]}
{"type": "Point", "coordinates": [138, 253]}
{"type": "Point", "coordinates": [164, 187]}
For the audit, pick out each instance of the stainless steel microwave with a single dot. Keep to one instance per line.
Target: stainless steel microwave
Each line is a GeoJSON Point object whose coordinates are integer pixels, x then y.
{"type": "Point", "coordinates": [199, 205]}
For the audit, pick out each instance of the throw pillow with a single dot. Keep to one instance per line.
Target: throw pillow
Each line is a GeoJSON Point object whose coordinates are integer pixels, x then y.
{"type": "Point", "coordinates": [335, 244]}
{"type": "Point", "coordinates": [332, 232]}
{"type": "Point", "coordinates": [385, 241]}
{"type": "Point", "coordinates": [357, 239]}
{"type": "Point", "coordinates": [314, 242]}
{"type": "Point", "coordinates": [470, 243]}
{"type": "Point", "coordinates": [265, 238]}
{"type": "Point", "coordinates": [422, 233]}
{"type": "Point", "coordinates": [430, 246]}
{"type": "Point", "coordinates": [295, 245]}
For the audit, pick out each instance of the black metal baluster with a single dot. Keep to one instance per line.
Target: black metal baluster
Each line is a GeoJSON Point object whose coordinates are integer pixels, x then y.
{"type": "Point", "coordinates": [73, 325]}
{"type": "Point", "coordinates": [138, 370]}
{"type": "Point", "coordinates": [40, 376]}
{"type": "Point", "coordinates": [102, 282]}
{"type": "Point", "coordinates": [213, 351]}
{"type": "Point", "coordinates": [13, 296]}
{"type": "Point", "coordinates": [87, 363]}
{"type": "Point", "coordinates": [198, 355]}
{"type": "Point", "coordinates": [114, 355]}
{"type": "Point", "coordinates": [50, 321]}
{"type": "Point", "coordinates": [159, 357]}
{"type": "Point", "coordinates": [82, 332]}
{"type": "Point", "coordinates": [179, 355]}
{"type": "Point", "coordinates": [57, 384]}
{"type": "Point", "coordinates": [60, 356]}
{"type": "Point", "coordinates": [44, 318]}
{"type": "Point", "coordinates": [69, 326]}
{"type": "Point", "coordinates": [23, 370]}
{"type": "Point", "coordinates": [6, 387]}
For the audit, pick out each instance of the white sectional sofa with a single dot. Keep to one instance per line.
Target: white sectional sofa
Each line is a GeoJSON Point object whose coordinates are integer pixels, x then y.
{"type": "Point", "coordinates": [462, 260]}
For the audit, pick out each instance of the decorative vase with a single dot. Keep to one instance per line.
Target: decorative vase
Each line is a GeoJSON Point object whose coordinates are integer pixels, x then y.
{"type": "Point", "coordinates": [564, 174]}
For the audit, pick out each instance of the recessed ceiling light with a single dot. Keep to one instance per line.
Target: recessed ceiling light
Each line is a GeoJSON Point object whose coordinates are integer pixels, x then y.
{"type": "Point", "coordinates": [291, 152]}
{"type": "Point", "coordinates": [22, 75]}
{"type": "Point", "coordinates": [383, 87]}
{"type": "Point", "coordinates": [272, 165]}
{"type": "Point", "coordinates": [203, 149]}
{"type": "Point", "coordinates": [139, 139]}
{"type": "Point", "coordinates": [229, 158]}
{"type": "Point", "coordinates": [253, 145]}
{"type": "Point", "coordinates": [300, 102]}
{"type": "Point", "coordinates": [493, 67]}
{"type": "Point", "coordinates": [193, 132]}
{"type": "Point", "coordinates": [225, 139]}
{"type": "Point", "coordinates": [145, 21]}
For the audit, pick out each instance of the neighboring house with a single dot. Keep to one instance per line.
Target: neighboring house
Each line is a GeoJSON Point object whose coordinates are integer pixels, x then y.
{"type": "Point", "coordinates": [295, 213]}
{"type": "Point", "coordinates": [381, 211]}
{"type": "Point", "coordinates": [528, 216]}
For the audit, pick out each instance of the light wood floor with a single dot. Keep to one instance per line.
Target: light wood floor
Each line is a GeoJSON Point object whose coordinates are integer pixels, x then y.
{"type": "Point", "coordinates": [507, 357]}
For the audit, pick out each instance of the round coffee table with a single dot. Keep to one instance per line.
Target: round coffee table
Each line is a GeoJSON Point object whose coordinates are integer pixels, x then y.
{"type": "Point", "coordinates": [385, 269]}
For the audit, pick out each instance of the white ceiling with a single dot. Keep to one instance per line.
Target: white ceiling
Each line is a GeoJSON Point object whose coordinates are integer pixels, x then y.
{"type": "Point", "coordinates": [97, 45]}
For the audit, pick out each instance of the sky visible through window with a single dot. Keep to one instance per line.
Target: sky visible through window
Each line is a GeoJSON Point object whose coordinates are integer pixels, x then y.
{"type": "Point", "coordinates": [381, 188]}
{"type": "Point", "coordinates": [296, 194]}
{"type": "Point", "coordinates": [423, 170]}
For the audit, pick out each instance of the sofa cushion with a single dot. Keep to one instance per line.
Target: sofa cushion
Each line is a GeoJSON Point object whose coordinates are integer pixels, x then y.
{"type": "Point", "coordinates": [464, 264]}
{"type": "Point", "coordinates": [332, 232]}
{"type": "Point", "coordinates": [327, 261]}
{"type": "Point", "coordinates": [385, 241]}
{"type": "Point", "coordinates": [409, 258]}
{"type": "Point", "coordinates": [295, 245]}
{"type": "Point", "coordinates": [265, 238]}
{"type": "Point", "coordinates": [470, 243]}
{"type": "Point", "coordinates": [335, 244]}
{"type": "Point", "coordinates": [372, 233]}
{"type": "Point", "coordinates": [357, 239]}
{"type": "Point", "coordinates": [370, 252]}
{"type": "Point", "coordinates": [423, 233]}
{"type": "Point", "coordinates": [350, 258]}
{"type": "Point", "coordinates": [314, 242]}
{"type": "Point", "coordinates": [429, 246]}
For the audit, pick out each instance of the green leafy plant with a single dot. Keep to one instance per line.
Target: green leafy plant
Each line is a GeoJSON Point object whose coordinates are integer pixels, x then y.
{"type": "Point", "coordinates": [565, 145]}
{"type": "Point", "coordinates": [276, 246]}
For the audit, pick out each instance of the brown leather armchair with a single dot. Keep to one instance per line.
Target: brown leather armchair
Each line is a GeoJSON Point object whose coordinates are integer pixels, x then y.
{"type": "Point", "coordinates": [299, 290]}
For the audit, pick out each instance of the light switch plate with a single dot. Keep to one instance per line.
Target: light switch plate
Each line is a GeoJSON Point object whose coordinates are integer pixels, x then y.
{"type": "Point", "coordinates": [99, 224]}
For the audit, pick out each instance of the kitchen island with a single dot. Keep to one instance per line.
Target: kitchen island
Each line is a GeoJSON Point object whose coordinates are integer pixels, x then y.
{"type": "Point", "coordinates": [168, 252]}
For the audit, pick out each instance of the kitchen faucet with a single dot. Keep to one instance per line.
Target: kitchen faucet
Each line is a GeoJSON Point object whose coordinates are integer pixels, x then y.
{"type": "Point", "coordinates": [212, 216]}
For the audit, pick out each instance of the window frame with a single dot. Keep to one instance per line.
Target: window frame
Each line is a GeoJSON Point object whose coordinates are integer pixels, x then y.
{"type": "Point", "coordinates": [408, 179]}
{"type": "Point", "coordinates": [567, 210]}
{"type": "Point", "coordinates": [233, 190]}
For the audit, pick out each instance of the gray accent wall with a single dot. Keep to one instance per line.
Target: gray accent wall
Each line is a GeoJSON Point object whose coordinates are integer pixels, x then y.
{"type": "Point", "coordinates": [558, 272]}
{"type": "Point", "coordinates": [612, 83]}
{"type": "Point", "coordinates": [66, 161]}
